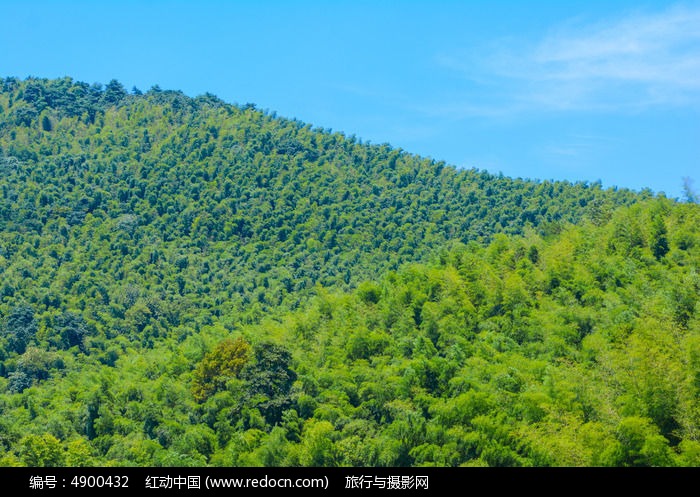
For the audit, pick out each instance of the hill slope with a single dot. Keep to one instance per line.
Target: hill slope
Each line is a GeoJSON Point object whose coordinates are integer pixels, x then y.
{"type": "Point", "coordinates": [242, 206]}
{"type": "Point", "coordinates": [158, 254]}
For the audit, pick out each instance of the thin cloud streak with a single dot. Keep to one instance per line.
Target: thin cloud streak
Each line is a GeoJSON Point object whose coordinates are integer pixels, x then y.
{"type": "Point", "coordinates": [629, 64]}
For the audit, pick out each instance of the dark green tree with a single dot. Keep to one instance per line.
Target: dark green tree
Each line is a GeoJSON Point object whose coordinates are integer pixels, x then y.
{"type": "Point", "coordinates": [19, 381]}
{"type": "Point", "coordinates": [113, 94]}
{"type": "Point", "coordinates": [71, 329]}
{"type": "Point", "coordinates": [659, 239]}
{"type": "Point", "coordinates": [269, 378]}
{"type": "Point", "coordinates": [20, 328]}
{"type": "Point", "coordinates": [46, 124]}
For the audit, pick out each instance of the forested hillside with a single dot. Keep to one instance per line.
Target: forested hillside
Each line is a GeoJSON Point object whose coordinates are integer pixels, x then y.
{"type": "Point", "coordinates": [188, 282]}
{"type": "Point", "coordinates": [174, 197]}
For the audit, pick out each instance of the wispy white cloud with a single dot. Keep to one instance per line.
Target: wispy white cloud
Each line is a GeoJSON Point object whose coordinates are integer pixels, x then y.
{"type": "Point", "coordinates": [634, 62]}
{"type": "Point", "coordinates": [575, 150]}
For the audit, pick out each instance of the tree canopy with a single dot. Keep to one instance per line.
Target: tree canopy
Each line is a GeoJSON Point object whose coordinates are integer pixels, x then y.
{"type": "Point", "coordinates": [187, 282]}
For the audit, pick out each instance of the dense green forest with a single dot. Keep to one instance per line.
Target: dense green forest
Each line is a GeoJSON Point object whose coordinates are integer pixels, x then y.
{"type": "Point", "coordinates": [190, 282]}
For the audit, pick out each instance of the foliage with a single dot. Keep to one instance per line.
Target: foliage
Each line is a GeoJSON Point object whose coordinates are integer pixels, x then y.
{"type": "Point", "coordinates": [20, 328]}
{"type": "Point", "coordinates": [222, 364]}
{"type": "Point", "coordinates": [187, 282]}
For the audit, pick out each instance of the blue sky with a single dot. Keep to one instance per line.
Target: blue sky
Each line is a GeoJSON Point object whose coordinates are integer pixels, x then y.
{"type": "Point", "coordinates": [577, 90]}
